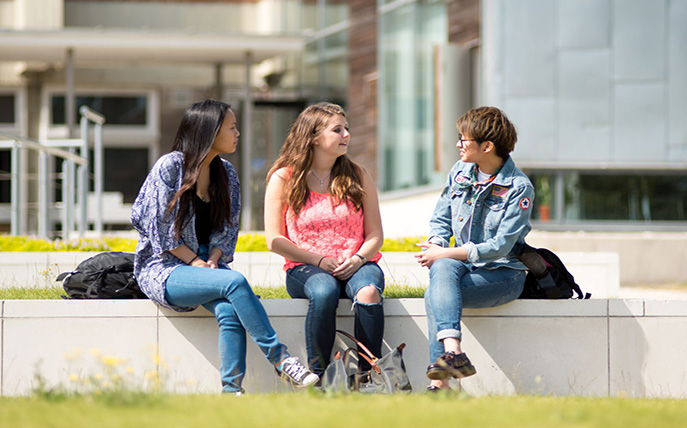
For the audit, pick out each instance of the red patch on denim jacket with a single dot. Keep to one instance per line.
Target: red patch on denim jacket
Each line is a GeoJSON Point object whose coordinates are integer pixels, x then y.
{"type": "Point", "coordinates": [525, 203]}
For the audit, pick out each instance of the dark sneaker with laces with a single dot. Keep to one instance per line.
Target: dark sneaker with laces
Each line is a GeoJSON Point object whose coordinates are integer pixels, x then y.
{"type": "Point", "coordinates": [451, 365]}
{"type": "Point", "coordinates": [431, 389]}
{"type": "Point", "coordinates": [296, 373]}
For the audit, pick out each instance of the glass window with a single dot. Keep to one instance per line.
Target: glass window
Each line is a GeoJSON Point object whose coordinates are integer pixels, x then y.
{"type": "Point", "coordinates": [406, 100]}
{"type": "Point", "coordinates": [620, 196]}
{"type": "Point", "coordinates": [118, 109]}
{"type": "Point", "coordinates": [7, 113]}
{"type": "Point", "coordinates": [5, 177]}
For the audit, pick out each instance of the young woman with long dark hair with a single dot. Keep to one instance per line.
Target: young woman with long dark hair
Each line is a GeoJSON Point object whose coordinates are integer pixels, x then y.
{"type": "Point", "coordinates": [187, 215]}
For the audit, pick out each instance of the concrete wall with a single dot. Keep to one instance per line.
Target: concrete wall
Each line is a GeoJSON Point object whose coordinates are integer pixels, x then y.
{"type": "Point", "coordinates": [631, 348]}
{"type": "Point", "coordinates": [596, 273]}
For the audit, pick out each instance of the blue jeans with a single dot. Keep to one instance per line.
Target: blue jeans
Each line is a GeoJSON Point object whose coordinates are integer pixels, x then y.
{"type": "Point", "coordinates": [453, 285]}
{"type": "Point", "coordinates": [228, 296]}
{"type": "Point", "coordinates": [323, 292]}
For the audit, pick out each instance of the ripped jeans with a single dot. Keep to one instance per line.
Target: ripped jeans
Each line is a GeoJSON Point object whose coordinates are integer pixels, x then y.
{"type": "Point", "coordinates": [323, 292]}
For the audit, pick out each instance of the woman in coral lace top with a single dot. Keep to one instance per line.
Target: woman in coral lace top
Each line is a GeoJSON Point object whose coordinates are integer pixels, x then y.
{"type": "Point", "coordinates": [322, 215]}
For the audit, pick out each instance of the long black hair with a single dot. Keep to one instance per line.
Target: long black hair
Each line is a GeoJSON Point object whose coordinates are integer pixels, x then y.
{"type": "Point", "coordinates": [195, 137]}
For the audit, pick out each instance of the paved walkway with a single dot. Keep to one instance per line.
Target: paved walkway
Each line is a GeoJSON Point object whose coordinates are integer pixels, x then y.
{"type": "Point", "coordinates": [653, 293]}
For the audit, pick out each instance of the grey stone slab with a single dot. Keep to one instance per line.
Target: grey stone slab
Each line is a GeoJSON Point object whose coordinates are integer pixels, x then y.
{"type": "Point", "coordinates": [66, 351]}
{"type": "Point", "coordinates": [639, 28]}
{"type": "Point", "coordinates": [584, 106]}
{"type": "Point", "coordinates": [535, 121]}
{"type": "Point", "coordinates": [584, 24]}
{"type": "Point", "coordinates": [508, 362]}
{"type": "Point", "coordinates": [639, 122]}
{"type": "Point", "coordinates": [677, 82]}
{"type": "Point", "coordinates": [529, 48]}
{"type": "Point", "coordinates": [533, 308]}
{"type": "Point", "coordinates": [492, 52]}
{"type": "Point", "coordinates": [646, 360]}
{"type": "Point", "coordinates": [79, 308]}
{"type": "Point", "coordinates": [666, 308]}
{"type": "Point", "coordinates": [189, 349]}
{"type": "Point", "coordinates": [626, 307]}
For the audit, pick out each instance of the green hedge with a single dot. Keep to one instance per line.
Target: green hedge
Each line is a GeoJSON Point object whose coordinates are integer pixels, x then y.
{"type": "Point", "coordinates": [246, 243]}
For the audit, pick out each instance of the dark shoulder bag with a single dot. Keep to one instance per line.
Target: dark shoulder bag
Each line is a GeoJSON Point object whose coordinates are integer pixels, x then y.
{"type": "Point", "coordinates": [547, 276]}
{"type": "Point", "coordinates": [104, 276]}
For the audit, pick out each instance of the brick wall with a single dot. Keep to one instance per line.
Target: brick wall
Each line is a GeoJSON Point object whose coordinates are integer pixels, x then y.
{"type": "Point", "coordinates": [362, 87]}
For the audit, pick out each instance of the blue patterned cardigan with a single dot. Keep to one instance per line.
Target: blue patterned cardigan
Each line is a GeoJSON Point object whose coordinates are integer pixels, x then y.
{"type": "Point", "coordinates": [154, 261]}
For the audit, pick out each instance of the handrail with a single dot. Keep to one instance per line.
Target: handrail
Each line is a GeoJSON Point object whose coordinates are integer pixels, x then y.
{"type": "Point", "coordinates": [92, 115]}
{"type": "Point", "coordinates": [35, 145]}
{"type": "Point", "coordinates": [56, 148]}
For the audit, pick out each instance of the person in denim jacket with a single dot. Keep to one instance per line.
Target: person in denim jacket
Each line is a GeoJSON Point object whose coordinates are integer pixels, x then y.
{"type": "Point", "coordinates": [486, 208]}
{"type": "Point", "coordinates": [187, 217]}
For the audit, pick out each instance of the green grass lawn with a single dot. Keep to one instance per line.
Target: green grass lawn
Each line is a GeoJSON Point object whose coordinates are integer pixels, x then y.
{"type": "Point", "coordinates": [306, 409]}
{"type": "Point", "coordinates": [390, 292]}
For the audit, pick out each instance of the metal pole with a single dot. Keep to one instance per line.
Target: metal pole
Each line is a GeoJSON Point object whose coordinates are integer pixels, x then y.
{"type": "Point", "coordinates": [98, 155]}
{"type": "Point", "coordinates": [14, 190]}
{"type": "Point", "coordinates": [560, 199]}
{"type": "Point", "coordinates": [67, 199]}
{"type": "Point", "coordinates": [219, 86]}
{"type": "Point", "coordinates": [69, 98]}
{"type": "Point", "coordinates": [43, 211]}
{"type": "Point", "coordinates": [68, 172]}
{"type": "Point", "coordinates": [83, 179]}
{"type": "Point", "coordinates": [246, 156]}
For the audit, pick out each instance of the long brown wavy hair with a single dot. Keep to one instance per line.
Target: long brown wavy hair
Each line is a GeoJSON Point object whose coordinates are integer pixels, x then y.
{"type": "Point", "coordinates": [195, 137]}
{"type": "Point", "coordinates": [297, 154]}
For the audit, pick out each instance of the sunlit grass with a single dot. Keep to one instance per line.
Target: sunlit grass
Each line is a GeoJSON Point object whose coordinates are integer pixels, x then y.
{"type": "Point", "coordinates": [310, 409]}
{"type": "Point", "coordinates": [14, 293]}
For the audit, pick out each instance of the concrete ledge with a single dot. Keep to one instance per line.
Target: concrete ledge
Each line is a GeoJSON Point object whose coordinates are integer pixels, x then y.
{"type": "Point", "coordinates": [597, 273]}
{"type": "Point", "coordinates": [591, 348]}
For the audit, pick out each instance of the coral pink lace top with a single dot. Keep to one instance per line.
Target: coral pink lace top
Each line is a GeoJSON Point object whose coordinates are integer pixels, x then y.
{"type": "Point", "coordinates": [326, 228]}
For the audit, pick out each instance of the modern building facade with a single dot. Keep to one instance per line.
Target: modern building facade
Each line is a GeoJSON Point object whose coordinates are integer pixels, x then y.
{"type": "Point", "coordinates": [597, 89]}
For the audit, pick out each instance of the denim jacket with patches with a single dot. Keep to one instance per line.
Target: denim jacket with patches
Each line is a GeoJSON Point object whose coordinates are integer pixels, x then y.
{"type": "Point", "coordinates": [500, 213]}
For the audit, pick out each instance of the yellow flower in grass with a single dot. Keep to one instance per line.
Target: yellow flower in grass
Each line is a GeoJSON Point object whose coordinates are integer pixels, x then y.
{"type": "Point", "coordinates": [130, 370]}
{"type": "Point", "coordinates": [111, 361]}
{"type": "Point", "coordinates": [73, 377]}
{"type": "Point", "coordinates": [98, 376]}
{"type": "Point", "coordinates": [95, 352]}
{"type": "Point", "coordinates": [74, 355]}
{"type": "Point", "coordinates": [153, 375]}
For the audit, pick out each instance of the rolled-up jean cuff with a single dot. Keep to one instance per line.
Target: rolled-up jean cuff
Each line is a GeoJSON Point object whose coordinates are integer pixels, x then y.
{"type": "Point", "coordinates": [445, 334]}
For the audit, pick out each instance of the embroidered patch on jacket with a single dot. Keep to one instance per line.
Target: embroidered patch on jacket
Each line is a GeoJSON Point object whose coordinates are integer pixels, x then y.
{"type": "Point", "coordinates": [499, 191]}
{"type": "Point", "coordinates": [461, 179]}
{"type": "Point", "coordinates": [525, 203]}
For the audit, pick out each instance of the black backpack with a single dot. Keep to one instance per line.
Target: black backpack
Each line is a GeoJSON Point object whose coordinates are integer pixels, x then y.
{"type": "Point", "coordinates": [103, 276]}
{"type": "Point", "coordinates": [547, 277]}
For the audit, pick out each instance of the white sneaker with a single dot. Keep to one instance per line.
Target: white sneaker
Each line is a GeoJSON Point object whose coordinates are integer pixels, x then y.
{"type": "Point", "coordinates": [296, 373]}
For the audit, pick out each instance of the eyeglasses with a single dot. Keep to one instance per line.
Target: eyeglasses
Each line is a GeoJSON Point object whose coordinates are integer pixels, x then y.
{"type": "Point", "coordinates": [461, 141]}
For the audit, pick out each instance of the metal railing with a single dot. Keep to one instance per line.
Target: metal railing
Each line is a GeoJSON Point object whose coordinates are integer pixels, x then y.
{"type": "Point", "coordinates": [73, 165]}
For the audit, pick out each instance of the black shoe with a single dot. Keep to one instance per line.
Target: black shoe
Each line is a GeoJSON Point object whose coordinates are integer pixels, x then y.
{"type": "Point", "coordinates": [451, 365]}
{"type": "Point", "coordinates": [432, 389]}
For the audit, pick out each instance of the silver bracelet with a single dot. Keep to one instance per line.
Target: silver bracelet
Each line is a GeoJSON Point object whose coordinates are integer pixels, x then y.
{"type": "Point", "coordinates": [361, 257]}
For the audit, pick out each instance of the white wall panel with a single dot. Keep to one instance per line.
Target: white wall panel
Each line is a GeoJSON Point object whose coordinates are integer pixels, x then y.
{"type": "Point", "coordinates": [639, 39]}
{"type": "Point", "coordinates": [529, 55]}
{"type": "Point", "coordinates": [639, 122]}
{"type": "Point", "coordinates": [584, 24]}
{"type": "Point", "coordinates": [584, 107]}
{"type": "Point", "coordinates": [677, 78]}
{"type": "Point", "coordinates": [535, 121]}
